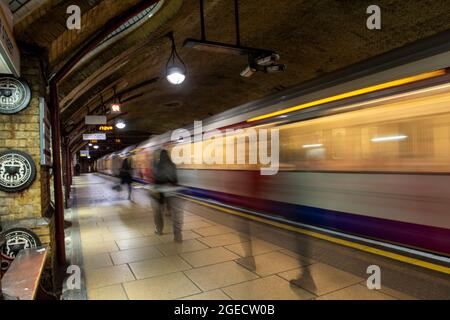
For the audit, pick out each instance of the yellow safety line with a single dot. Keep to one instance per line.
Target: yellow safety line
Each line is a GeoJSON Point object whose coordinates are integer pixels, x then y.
{"type": "Point", "coordinates": [354, 245]}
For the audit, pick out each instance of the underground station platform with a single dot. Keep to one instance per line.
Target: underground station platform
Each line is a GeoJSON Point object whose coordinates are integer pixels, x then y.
{"type": "Point", "coordinates": [225, 254]}
{"type": "Point", "coordinates": [226, 158]}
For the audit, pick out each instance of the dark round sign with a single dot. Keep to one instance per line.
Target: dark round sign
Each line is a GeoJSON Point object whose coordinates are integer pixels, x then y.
{"type": "Point", "coordinates": [17, 171]}
{"type": "Point", "coordinates": [15, 94]}
{"type": "Point", "coordinates": [17, 239]}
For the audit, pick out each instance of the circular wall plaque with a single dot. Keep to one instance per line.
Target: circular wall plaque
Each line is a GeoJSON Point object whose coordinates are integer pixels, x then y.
{"type": "Point", "coordinates": [17, 171]}
{"type": "Point", "coordinates": [15, 94]}
{"type": "Point", "coordinates": [17, 239]}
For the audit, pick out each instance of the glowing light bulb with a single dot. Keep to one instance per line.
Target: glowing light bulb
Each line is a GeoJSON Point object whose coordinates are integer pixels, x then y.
{"type": "Point", "coordinates": [175, 75]}
{"type": "Point", "coordinates": [120, 125]}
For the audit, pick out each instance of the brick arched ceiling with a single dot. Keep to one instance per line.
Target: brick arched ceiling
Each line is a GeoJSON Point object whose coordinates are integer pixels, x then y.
{"type": "Point", "coordinates": [45, 26]}
{"type": "Point", "coordinates": [313, 37]}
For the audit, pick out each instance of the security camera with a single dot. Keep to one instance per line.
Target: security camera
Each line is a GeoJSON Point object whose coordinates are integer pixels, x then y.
{"type": "Point", "coordinates": [263, 61]}
{"type": "Point", "coordinates": [267, 59]}
{"type": "Point", "coordinates": [248, 72]}
{"type": "Point", "coordinates": [275, 68]}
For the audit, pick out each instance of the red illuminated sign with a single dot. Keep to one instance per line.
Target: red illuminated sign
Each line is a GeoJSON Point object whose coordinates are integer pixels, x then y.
{"type": "Point", "coordinates": [115, 108]}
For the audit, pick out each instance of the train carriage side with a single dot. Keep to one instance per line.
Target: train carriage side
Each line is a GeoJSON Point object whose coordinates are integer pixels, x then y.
{"type": "Point", "coordinates": [380, 170]}
{"type": "Point", "coordinates": [375, 166]}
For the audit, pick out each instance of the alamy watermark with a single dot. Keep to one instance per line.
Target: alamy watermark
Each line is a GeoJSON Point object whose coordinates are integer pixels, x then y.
{"type": "Point", "coordinates": [231, 147]}
{"type": "Point", "coordinates": [73, 22]}
{"type": "Point", "coordinates": [374, 20]}
{"type": "Point", "coordinates": [374, 280]}
{"type": "Point", "coordinates": [73, 281]}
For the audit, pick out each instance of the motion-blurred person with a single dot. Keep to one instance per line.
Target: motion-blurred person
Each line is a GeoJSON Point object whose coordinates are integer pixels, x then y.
{"type": "Point", "coordinates": [165, 178]}
{"type": "Point", "coordinates": [125, 176]}
{"type": "Point", "coordinates": [304, 251]}
{"type": "Point", "coordinates": [77, 170]}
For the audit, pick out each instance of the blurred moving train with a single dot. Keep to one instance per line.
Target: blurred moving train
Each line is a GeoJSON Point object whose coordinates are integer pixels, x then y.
{"type": "Point", "coordinates": [368, 157]}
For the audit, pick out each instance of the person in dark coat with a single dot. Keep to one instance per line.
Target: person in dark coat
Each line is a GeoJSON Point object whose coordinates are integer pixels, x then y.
{"type": "Point", "coordinates": [77, 169]}
{"type": "Point", "coordinates": [125, 176]}
{"type": "Point", "coordinates": [166, 180]}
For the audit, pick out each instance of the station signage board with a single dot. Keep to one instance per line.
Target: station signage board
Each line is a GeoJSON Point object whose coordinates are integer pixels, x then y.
{"type": "Point", "coordinates": [84, 153]}
{"type": "Point", "coordinates": [94, 136]}
{"type": "Point", "coordinates": [105, 128]}
{"type": "Point", "coordinates": [9, 51]}
{"type": "Point", "coordinates": [94, 120]}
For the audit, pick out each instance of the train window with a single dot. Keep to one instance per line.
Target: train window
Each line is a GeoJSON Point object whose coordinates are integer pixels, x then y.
{"type": "Point", "coordinates": [287, 148]}
{"type": "Point", "coordinates": [364, 143]}
{"type": "Point", "coordinates": [423, 139]}
{"type": "Point", "coordinates": [402, 134]}
{"type": "Point", "coordinates": [384, 142]}
{"type": "Point", "coordinates": [407, 135]}
{"type": "Point", "coordinates": [312, 146]}
{"type": "Point", "coordinates": [338, 143]}
{"type": "Point", "coordinates": [441, 145]}
{"type": "Point", "coordinates": [409, 147]}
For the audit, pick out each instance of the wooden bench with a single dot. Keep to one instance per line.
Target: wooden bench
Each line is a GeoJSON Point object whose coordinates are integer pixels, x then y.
{"type": "Point", "coordinates": [21, 281]}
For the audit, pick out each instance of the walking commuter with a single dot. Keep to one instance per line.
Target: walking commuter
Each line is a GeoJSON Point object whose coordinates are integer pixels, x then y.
{"type": "Point", "coordinates": [165, 179]}
{"type": "Point", "coordinates": [125, 176]}
{"type": "Point", "coordinates": [77, 170]}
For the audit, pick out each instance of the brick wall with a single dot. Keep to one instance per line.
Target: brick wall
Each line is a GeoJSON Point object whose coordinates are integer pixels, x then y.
{"type": "Point", "coordinates": [20, 131]}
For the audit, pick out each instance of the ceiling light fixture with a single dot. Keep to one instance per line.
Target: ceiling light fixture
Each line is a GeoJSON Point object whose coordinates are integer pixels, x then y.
{"type": "Point", "coordinates": [96, 147]}
{"type": "Point", "coordinates": [175, 67]}
{"type": "Point", "coordinates": [120, 124]}
{"type": "Point", "coordinates": [115, 108]}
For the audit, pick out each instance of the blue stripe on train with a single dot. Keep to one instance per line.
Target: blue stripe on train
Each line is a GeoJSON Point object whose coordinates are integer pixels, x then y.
{"type": "Point", "coordinates": [409, 234]}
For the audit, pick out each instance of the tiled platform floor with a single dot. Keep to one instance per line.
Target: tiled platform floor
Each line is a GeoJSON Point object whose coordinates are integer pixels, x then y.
{"type": "Point", "coordinates": [124, 259]}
